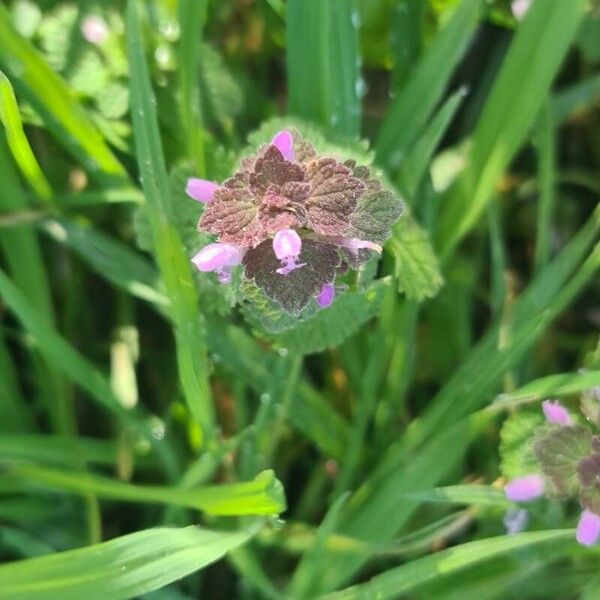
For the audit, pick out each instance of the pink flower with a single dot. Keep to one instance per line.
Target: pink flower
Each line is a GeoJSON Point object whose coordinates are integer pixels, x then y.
{"type": "Point", "coordinates": [326, 296]}
{"type": "Point", "coordinates": [94, 29]}
{"type": "Point", "coordinates": [524, 489]}
{"type": "Point", "coordinates": [201, 190]}
{"type": "Point", "coordinates": [284, 142]}
{"type": "Point", "coordinates": [287, 246]}
{"type": "Point", "coordinates": [555, 412]}
{"type": "Point", "coordinates": [218, 258]}
{"type": "Point", "coordinates": [588, 528]}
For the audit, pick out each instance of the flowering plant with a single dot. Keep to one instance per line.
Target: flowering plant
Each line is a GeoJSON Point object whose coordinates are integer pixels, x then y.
{"type": "Point", "coordinates": [294, 220]}
{"type": "Point", "coordinates": [567, 459]}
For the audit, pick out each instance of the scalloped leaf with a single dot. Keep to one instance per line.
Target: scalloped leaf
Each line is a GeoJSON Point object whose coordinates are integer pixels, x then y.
{"type": "Point", "coordinates": [292, 292]}
{"type": "Point", "coordinates": [516, 443]}
{"type": "Point", "coordinates": [558, 453]}
{"type": "Point", "coordinates": [417, 268]}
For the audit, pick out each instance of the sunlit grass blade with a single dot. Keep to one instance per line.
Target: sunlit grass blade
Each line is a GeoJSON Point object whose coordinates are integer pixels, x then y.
{"type": "Point", "coordinates": [323, 63]}
{"type": "Point", "coordinates": [17, 142]}
{"type": "Point", "coordinates": [532, 62]}
{"type": "Point", "coordinates": [174, 266]}
{"type": "Point", "coordinates": [55, 101]}
{"type": "Point", "coordinates": [415, 103]}
{"type": "Point", "coordinates": [262, 496]}
{"type": "Point", "coordinates": [408, 577]}
{"type": "Point", "coordinates": [122, 568]}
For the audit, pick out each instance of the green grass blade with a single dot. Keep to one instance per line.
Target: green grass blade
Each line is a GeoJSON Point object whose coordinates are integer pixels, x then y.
{"type": "Point", "coordinates": [55, 101]}
{"type": "Point", "coordinates": [262, 496]}
{"type": "Point", "coordinates": [107, 257]}
{"type": "Point", "coordinates": [122, 568]}
{"type": "Point", "coordinates": [14, 414]}
{"type": "Point", "coordinates": [192, 16]}
{"type": "Point", "coordinates": [323, 64]}
{"type": "Point", "coordinates": [57, 449]}
{"type": "Point", "coordinates": [405, 578]}
{"type": "Point", "coordinates": [480, 495]}
{"type": "Point", "coordinates": [413, 106]}
{"type": "Point", "coordinates": [174, 266]}
{"type": "Point", "coordinates": [17, 142]}
{"type": "Point", "coordinates": [576, 98]}
{"type": "Point", "coordinates": [532, 61]}
{"type": "Point", "coordinates": [416, 163]}
{"type": "Point", "coordinates": [563, 384]}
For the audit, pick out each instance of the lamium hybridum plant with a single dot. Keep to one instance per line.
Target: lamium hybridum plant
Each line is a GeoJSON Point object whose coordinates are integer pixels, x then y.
{"type": "Point", "coordinates": [567, 458]}
{"type": "Point", "coordinates": [294, 220]}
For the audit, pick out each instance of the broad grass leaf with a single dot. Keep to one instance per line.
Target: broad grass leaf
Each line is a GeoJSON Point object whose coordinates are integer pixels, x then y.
{"type": "Point", "coordinates": [121, 568]}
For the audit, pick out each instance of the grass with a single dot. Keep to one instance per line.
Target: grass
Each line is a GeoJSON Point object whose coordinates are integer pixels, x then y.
{"type": "Point", "coordinates": [161, 439]}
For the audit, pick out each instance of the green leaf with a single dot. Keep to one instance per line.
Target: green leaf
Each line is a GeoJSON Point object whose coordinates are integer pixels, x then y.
{"type": "Point", "coordinates": [331, 326]}
{"type": "Point", "coordinates": [55, 101]}
{"type": "Point", "coordinates": [417, 268]}
{"type": "Point", "coordinates": [413, 106]}
{"type": "Point", "coordinates": [410, 576]}
{"type": "Point", "coordinates": [563, 384]}
{"type": "Point", "coordinates": [322, 64]}
{"type": "Point", "coordinates": [122, 568]}
{"type": "Point", "coordinates": [17, 142]}
{"type": "Point", "coordinates": [516, 444]}
{"type": "Point", "coordinates": [480, 495]}
{"type": "Point", "coordinates": [174, 266]}
{"type": "Point", "coordinates": [575, 98]}
{"type": "Point", "coordinates": [120, 265]}
{"type": "Point", "coordinates": [532, 62]}
{"type": "Point", "coordinates": [416, 163]}
{"type": "Point", "coordinates": [262, 496]}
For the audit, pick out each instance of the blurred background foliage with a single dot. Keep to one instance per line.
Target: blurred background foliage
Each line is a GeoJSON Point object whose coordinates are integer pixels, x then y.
{"type": "Point", "coordinates": [135, 393]}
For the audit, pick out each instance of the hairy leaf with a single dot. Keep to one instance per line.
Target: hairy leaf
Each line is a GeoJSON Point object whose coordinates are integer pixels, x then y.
{"type": "Point", "coordinates": [293, 291]}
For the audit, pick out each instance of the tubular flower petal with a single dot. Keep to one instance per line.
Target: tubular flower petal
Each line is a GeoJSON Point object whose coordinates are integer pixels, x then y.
{"type": "Point", "coordinates": [326, 296]}
{"type": "Point", "coordinates": [588, 528]}
{"type": "Point", "coordinates": [555, 412]}
{"type": "Point", "coordinates": [219, 258]}
{"type": "Point", "coordinates": [287, 246]}
{"type": "Point", "coordinates": [284, 142]}
{"type": "Point", "coordinates": [354, 244]}
{"type": "Point", "coordinates": [524, 489]}
{"type": "Point", "coordinates": [201, 190]}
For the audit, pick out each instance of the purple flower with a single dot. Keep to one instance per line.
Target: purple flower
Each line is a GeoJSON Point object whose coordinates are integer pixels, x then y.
{"type": "Point", "coordinates": [218, 258]}
{"type": "Point", "coordinates": [326, 295]}
{"type": "Point", "coordinates": [284, 142]}
{"type": "Point", "coordinates": [588, 528]}
{"type": "Point", "coordinates": [524, 489]}
{"type": "Point", "coordinates": [515, 520]}
{"type": "Point", "coordinates": [287, 246]}
{"type": "Point", "coordinates": [290, 212]}
{"type": "Point", "coordinates": [201, 190]}
{"type": "Point", "coordinates": [555, 412]}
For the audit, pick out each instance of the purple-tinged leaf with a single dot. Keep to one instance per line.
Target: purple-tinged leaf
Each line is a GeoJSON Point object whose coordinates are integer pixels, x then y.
{"type": "Point", "coordinates": [334, 192]}
{"type": "Point", "coordinates": [558, 453]}
{"type": "Point", "coordinates": [292, 292]}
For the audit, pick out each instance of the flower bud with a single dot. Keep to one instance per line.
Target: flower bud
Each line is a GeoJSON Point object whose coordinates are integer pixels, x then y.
{"type": "Point", "coordinates": [326, 295]}
{"type": "Point", "coordinates": [216, 257]}
{"type": "Point", "coordinates": [555, 412]}
{"type": "Point", "coordinates": [201, 190]}
{"type": "Point", "coordinates": [524, 489]}
{"type": "Point", "coordinates": [588, 528]}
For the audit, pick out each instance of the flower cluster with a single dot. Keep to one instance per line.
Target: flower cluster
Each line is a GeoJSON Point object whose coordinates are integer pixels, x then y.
{"type": "Point", "coordinates": [568, 459]}
{"type": "Point", "coordinates": [293, 220]}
